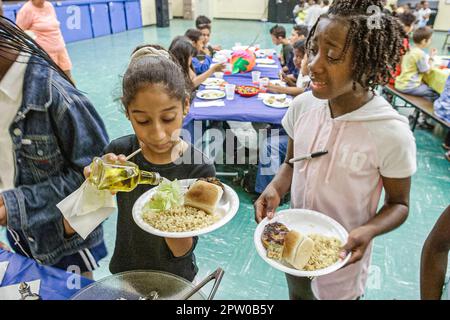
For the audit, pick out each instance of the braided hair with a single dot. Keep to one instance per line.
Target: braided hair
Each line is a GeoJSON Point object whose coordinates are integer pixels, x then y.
{"type": "Point", "coordinates": [13, 38]}
{"type": "Point", "coordinates": [378, 47]}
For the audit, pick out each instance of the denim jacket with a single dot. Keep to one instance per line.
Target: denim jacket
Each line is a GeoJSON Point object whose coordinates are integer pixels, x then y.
{"type": "Point", "coordinates": [55, 134]}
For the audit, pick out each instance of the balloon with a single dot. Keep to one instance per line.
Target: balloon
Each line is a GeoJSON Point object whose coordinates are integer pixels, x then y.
{"type": "Point", "coordinates": [243, 61]}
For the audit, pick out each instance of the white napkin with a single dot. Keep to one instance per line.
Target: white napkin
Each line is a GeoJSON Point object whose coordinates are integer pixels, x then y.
{"type": "Point", "coordinates": [212, 103]}
{"type": "Point", "coordinates": [12, 292]}
{"type": "Point", "coordinates": [3, 267]}
{"type": "Point", "coordinates": [270, 66]}
{"type": "Point", "coordinates": [87, 208]}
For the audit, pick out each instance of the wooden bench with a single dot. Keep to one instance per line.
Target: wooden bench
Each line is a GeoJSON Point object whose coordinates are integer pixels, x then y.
{"type": "Point", "coordinates": [421, 105]}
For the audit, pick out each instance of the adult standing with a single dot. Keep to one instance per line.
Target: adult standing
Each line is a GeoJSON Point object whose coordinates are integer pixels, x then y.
{"type": "Point", "coordinates": [49, 131]}
{"type": "Point", "coordinates": [39, 17]}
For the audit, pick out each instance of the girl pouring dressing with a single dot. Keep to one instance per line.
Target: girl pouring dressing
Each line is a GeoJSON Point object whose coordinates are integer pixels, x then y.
{"type": "Point", "coordinates": [155, 95]}
{"type": "Point", "coordinates": [370, 146]}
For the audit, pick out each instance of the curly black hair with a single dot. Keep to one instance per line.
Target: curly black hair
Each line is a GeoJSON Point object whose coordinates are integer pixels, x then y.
{"type": "Point", "coordinates": [378, 47]}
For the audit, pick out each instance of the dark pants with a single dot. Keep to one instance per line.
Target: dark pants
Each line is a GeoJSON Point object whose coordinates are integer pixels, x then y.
{"type": "Point", "coordinates": [299, 288]}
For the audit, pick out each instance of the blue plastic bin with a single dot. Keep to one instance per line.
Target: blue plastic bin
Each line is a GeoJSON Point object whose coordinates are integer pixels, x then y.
{"type": "Point", "coordinates": [10, 14]}
{"type": "Point", "coordinates": [117, 16]}
{"type": "Point", "coordinates": [133, 13]}
{"type": "Point", "coordinates": [75, 20]}
{"type": "Point", "coordinates": [100, 19]}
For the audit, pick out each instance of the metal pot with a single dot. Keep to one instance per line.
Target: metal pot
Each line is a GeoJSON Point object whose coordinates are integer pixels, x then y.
{"type": "Point", "coordinates": [147, 285]}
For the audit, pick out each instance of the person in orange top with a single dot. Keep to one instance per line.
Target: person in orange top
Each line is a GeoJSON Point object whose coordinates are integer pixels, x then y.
{"type": "Point", "coordinates": [39, 17]}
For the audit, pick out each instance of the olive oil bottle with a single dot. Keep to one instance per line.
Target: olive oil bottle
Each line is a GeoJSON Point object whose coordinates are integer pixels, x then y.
{"type": "Point", "coordinates": [120, 177]}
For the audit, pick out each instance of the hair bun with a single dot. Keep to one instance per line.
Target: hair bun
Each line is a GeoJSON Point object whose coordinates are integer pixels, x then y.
{"type": "Point", "coordinates": [149, 52]}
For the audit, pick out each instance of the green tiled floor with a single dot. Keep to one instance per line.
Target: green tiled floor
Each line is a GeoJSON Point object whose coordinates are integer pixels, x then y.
{"type": "Point", "coordinates": [98, 64]}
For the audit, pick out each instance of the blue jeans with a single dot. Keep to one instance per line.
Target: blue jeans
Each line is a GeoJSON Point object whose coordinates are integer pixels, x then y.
{"type": "Point", "coordinates": [423, 91]}
{"type": "Point", "coordinates": [273, 154]}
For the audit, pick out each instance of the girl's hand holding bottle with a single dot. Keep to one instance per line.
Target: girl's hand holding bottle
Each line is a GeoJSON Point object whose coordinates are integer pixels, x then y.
{"type": "Point", "coordinates": [220, 67]}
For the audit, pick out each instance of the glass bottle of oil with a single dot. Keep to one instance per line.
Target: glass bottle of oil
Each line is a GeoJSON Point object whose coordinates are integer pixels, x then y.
{"type": "Point", "coordinates": [120, 177]}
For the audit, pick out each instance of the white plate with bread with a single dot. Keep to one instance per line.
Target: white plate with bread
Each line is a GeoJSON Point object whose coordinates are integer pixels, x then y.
{"type": "Point", "coordinates": [302, 243]}
{"type": "Point", "coordinates": [210, 207]}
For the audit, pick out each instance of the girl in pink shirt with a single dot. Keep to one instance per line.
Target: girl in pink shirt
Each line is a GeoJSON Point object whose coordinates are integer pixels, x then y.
{"type": "Point", "coordinates": [39, 17]}
{"type": "Point", "coordinates": [370, 145]}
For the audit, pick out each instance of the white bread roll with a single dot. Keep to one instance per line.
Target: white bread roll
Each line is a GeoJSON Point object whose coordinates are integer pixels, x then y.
{"type": "Point", "coordinates": [297, 249]}
{"type": "Point", "coordinates": [204, 196]}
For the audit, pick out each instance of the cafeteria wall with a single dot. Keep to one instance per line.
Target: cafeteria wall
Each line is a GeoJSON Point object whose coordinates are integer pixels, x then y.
{"type": "Point", "coordinates": [442, 20]}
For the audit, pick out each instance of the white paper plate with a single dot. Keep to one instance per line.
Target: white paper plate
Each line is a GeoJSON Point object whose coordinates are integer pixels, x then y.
{"type": "Point", "coordinates": [226, 210]}
{"type": "Point", "coordinates": [280, 83]}
{"type": "Point", "coordinates": [226, 53]}
{"type": "Point", "coordinates": [306, 222]}
{"type": "Point", "coordinates": [213, 82]}
{"type": "Point", "coordinates": [211, 94]}
{"type": "Point", "coordinates": [277, 104]}
{"type": "Point", "coordinates": [265, 61]}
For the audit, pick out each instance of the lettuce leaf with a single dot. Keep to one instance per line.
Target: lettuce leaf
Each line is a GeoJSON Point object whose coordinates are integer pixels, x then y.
{"type": "Point", "coordinates": [168, 195]}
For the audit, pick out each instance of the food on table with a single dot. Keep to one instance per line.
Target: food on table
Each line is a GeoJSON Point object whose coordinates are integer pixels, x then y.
{"type": "Point", "coordinates": [170, 210]}
{"type": "Point", "coordinates": [297, 249]}
{"type": "Point", "coordinates": [247, 90]}
{"type": "Point", "coordinates": [204, 196]}
{"type": "Point", "coordinates": [214, 82]}
{"type": "Point", "coordinates": [307, 253]}
{"type": "Point", "coordinates": [212, 95]}
{"type": "Point", "coordinates": [276, 100]}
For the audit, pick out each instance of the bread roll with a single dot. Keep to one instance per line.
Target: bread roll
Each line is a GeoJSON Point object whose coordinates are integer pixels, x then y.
{"type": "Point", "coordinates": [204, 196]}
{"type": "Point", "coordinates": [297, 249]}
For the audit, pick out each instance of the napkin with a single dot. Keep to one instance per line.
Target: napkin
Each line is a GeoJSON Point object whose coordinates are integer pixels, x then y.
{"type": "Point", "coordinates": [3, 267]}
{"type": "Point", "coordinates": [212, 103]}
{"type": "Point", "coordinates": [270, 66]}
{"type": "Point", "coordinates": [87, 208]}
{"type": "Point", "coordinates": [12, 292]}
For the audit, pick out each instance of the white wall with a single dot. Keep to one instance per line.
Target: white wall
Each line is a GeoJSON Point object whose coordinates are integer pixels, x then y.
{"type": "Point", "coordinates": [227, 9]}
{"type": "Point", "coordinates": [148, 9]}
{"type": "Point", "coordinates": [443, 17]}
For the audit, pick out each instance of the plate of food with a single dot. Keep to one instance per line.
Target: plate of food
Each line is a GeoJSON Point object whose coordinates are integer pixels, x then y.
{"type": "Point", "coordinates": [265, 61]}
{"type": "Point", "coordinates": [216, 82]}
{"type": "Point", "coordinates": [186, 208]}
{"type": "Point", "coordinates": [278, 83]}
{"type": "Point", "coordinates": [247, 91]}
{"type": "Point", "coordinates": [280, 101]}
{"type": "Point", "coordinates": [211, 94]}
{"type": "Point", "coordinates": [303, 243]}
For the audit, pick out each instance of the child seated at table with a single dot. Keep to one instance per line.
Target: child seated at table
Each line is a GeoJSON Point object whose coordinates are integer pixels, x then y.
{"type": "Point", "coordinates": [442, 110]}
{"type": "Point", "coordinates": [416, 63]}
{"type": "Point", "coordinates": [201, 62]}
{"type": "Point", "coordinates": [203, 24]}
{"type": "Point", "coordinates": [301, 84]}
{"type": "Point", "coordinates": [278, 34]}
{"type": "Point", "coordinates": [183, 50]}
{"type": "Point", "coordinates": [299, 33]}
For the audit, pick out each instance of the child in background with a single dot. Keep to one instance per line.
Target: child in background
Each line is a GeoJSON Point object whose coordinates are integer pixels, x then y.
{"type": "Point", "coordinates": [300, 61]}
{"type": "Point", "coordinates": [184, 52]}
{"type": "Point", "coordinates": [370, 145]}
{"type": "Point", "coordinates": [201, 62]}
{"type": "Point", "coordinates": [442, 110]}
{"type": "Point", "coordinates": [298, 33]}
{"type": "Point", "coordinates": [204, 24]}
{"type": "Point", "coordinates": [416, 63]}
{"type": "Point", "coordinates": [313, 13]}
{"type": "Point", "coordinates": [154, 96]}
{"type": "Point", "coordinates": [408, 20]}
{"type": "Point", "coordinates": [278, 34]}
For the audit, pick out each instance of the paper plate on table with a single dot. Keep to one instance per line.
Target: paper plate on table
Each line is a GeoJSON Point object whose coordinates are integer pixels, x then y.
{"type": "Point", "coordinates": [211, 94]}
{"type": "Point", "coordinates": [277, 102]}
{"type": "Point", "coordinates": [278, 82]}
{"type": "Point", "coordinates": [306, 222]}
{"type": "Point", "coordinates": [213, 82]}
{"type": "Point", "coordinates": [226, 210]}
{"type": "Point", "coordinates": [265, 61]}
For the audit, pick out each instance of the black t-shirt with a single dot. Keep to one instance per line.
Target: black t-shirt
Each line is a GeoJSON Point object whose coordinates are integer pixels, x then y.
{"type": "Point", "coordinates": [136, 249]}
